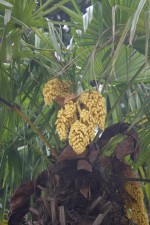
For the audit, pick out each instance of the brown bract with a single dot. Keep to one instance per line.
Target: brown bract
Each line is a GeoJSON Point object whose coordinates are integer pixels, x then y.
{"type": "Point", "coordinates": [125, 147]}
{"type": "Point", "coordinates": [71, 97]}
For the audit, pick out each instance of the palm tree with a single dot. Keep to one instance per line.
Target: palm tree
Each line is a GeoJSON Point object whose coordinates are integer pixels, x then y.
{"type": "Point", "coordinates": [109, 50]}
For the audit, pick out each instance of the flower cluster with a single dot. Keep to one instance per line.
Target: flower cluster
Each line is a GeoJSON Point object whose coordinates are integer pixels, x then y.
{"type": "Point", "coordinates": [65, 118]}
{"type": "Point", "coordinates": [95, 104]}
{"type": "Point", "coordinates": [136, 204]}
{"type": "Point", "coordinates": [54, 88]}
{"type": "Point", "coordinates": [77, 120]}
{"type": "Point", "coordinates": [78, 137]}
{"type": "Point", "coordinates": [87, 119]}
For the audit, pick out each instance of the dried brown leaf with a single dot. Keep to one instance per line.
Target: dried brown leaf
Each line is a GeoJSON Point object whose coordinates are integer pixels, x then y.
{"type": "Point", "coordinates": [86, 192]}
{"type": "Point", "coordinates": [121, 128]}
{"type": "Point", "coordinates": [69, 154]}
{"type": "Point", "coordinates": [124, 148]}
{"type": "Point", "coordinates": [57, 178]}
{"type": "Point", "coordinates": [84, 165]}
{"type": "Point", "coordinates": [21, 196]}
{"type": "Point", "coordinates": [93, 151]}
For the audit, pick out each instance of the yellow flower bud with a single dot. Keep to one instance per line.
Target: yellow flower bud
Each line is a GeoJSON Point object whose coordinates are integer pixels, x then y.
{"type": "Point", "coordinates": [54, 88]}
{"type": "Point", "coordinates": [65, 118]}
{"type": "Point", "coordinates": [78, 137]}
{"type": "Point", "coordinates": [87, 119]}
{"type": "Point", "coordinates": [136, 204]}
{"type": "Point", "coordinates": [95, 104]}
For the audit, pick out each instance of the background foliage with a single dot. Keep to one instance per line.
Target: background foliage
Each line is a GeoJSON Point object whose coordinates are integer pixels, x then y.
{"type": "Point", "coordinates": [105, 45]}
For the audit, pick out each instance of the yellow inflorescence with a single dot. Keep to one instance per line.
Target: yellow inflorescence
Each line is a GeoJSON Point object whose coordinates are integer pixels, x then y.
{"type": "Point", "coordinates": [54, 88]}
{"type": "Point", "coordinates": [95, 104]}
{"type": "Point", "coordinates": [65, 118]}
{"type": "Point", "coordinates": [78, 137]}
{"type": "Point", "coordinates": [136, 204]}
{"type": "Point", "coordinates": [87, 119]}
{"type": "Point", "coordinates": [77, 121]}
